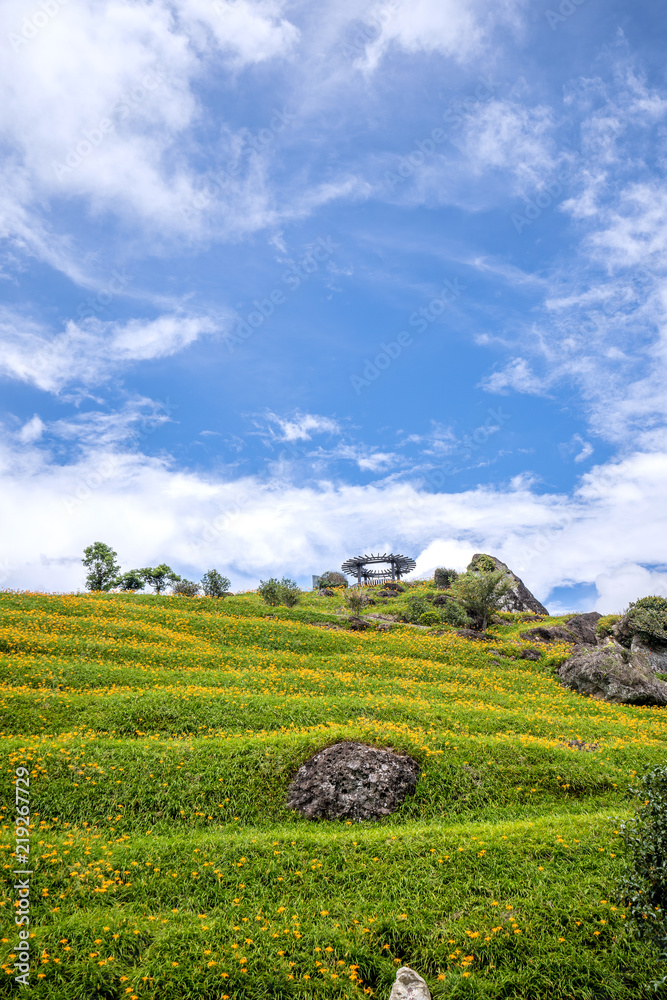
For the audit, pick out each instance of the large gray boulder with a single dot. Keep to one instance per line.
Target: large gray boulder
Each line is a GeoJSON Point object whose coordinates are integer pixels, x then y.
{"type": "Point", "coordinates": [409, 985]}
{"type": "Point", "coordinates": [519, 597]}
{"type": "Point", "coordinates": [352, 781]}
{"type": "Point", "coordinates": [583, 627]}
{"type": "Point", "coordinates": [655, 657]}
{"type": "Point", "coordinates": [612, 673]}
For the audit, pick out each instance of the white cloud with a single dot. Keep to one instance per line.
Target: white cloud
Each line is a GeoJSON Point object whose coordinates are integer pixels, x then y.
{"type": "Point", "coordinates": [515, 376]}
{"type": "Point", "coordinates": [151, 512]}
{"type": "Point", "coordinates": [87, 353]}
{"type": "Point", "coordinates": [98, 103]}
{"type": "Point", "coordinates": [302, 426]}
{"type": "Point", "coordinates": [31, 431]}
{"type": "Point", "coordinates": [458, 29]}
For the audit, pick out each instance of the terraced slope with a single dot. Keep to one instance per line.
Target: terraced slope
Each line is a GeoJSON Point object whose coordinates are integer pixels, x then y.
{"type": "Point", "coordinates": [161, 734]}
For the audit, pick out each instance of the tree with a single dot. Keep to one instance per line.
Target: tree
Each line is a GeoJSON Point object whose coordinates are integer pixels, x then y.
{"type": "Point", "coordinates": [444, 578]}
{"type": "Point", "coordinates": [480, 594]}
{"type": "Point", "coordinates": [214, 584]}
{"type": "Point", "coordinates": [332, 578]}
{"type": "Point", "coordinates": [274, 592]}
{"type": "Point", "coordinates": [100, 560]}
{"type": "Point", "coordinates": [131, 581]}
{"type": "Point", "coordinates": [186, 588]}
{"type": "Point", "coordinates": [159, 577]}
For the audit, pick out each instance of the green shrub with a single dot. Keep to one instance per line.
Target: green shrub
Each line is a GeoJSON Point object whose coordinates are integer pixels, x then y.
{"type": "Point", "coordinates": [444, 578]}
{"type": "Point", "coordinates": [416, 606]}
{"type": "Point", "coordinates": [647, 619]}
{"type": "Point", "coordinates": [289, 592]}
{"type": "Point", "coordinates": [430, 618]}
{"type": "Point", "coordinates": [269, 591]}
{"type": "Point", "coordinates": [454, 614]}
{"type": "Point", "coordinates": [214, 584]}
{"type": "Point", "coordinates": [605, 625]}
{"type": "Point", "coordinates": [482, 564]}
{"type": "Point", "coordinates": [355, 599]}
{"type": "Point", "coordinates": [186, 588]}
{"type": "Point", "coordinates": [644, 886]}
{"type": "Point", "coordinates": [480, 594]}
{"type": "Point", "coordinates": [332, 578]}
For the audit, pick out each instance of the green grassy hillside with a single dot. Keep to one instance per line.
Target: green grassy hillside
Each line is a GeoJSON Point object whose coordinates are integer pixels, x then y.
{"type": "Point", "coordinates": [161, 734]}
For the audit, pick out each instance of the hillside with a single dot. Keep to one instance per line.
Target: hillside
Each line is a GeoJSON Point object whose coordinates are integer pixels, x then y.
{"type": "Point", "coordinates": [161, 734]}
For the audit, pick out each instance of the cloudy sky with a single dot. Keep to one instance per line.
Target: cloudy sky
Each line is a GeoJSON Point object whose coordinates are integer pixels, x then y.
{"type": "Point", "coordinates": [283, 282]}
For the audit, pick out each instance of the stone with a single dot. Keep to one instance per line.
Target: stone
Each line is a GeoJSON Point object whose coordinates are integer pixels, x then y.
{"type": "Point", "coordinates": [519, 597]}
{"type": "Point", "coordinates": [352, 781]}
{"type": "Point", "coordinates": [654, 657]}
{"type": "Point", "coordinates": [357, 624]}
{"type": "Point", "coordinates": [530, 654]}
{"type": "Point", "coordinates": [612, 673]}
{"type": "Point", "coordinates": [555, 633]}
{"type": "Point", "coordinates": [387, 593]}
{"type": "Point", "coordinates": [409, 985]}
{"type": "Point", "coordinates": [583, 627]}
{"type": "Point", "coordinates": [441, 599]}
{"type": "Point", "coordinates": [327, 592]}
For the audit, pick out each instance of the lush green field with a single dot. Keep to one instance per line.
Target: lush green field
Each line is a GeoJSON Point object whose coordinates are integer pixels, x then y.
{"type": "Point", "coordinates": [161, 734]}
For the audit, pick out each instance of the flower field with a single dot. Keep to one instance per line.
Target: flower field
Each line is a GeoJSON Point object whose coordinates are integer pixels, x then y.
{"type": "Point", "coordinates": [160, 735]}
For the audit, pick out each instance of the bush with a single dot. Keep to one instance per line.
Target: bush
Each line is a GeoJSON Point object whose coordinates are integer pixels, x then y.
{"type": "Point", "coordinates": [214, 584]}
{"type": "Point", "coordinates": [274, 592]}
{"type": "Point", "coordinates": [289, 592]}
{"type": "Point", "coordinates": [355, 599]}
{"type": "Point", "coordinates": [444, 578]}
{"type": "Point", "coordinates": [454, 614]}
{"type": "Point", "coordinates": [186, 588]}
{"type": "Point", "coordinates": [332, 578]}
{"type": "Point", "coordinates": [430, 618]}
{"type": "Point", "coordinates": [644, 885]}
{"type": "Point", "coordinates": [605, 625]}
{"type": "Point", "coordinates": [647, 619]}
{"type": "Point", "coordinates": [417, 605]}
{"type": "Point", "coordinates": [482, 564]}
{"type": "Point", "coordinates": [480, 594]}
{"type": "Point", "coordinates": [131, 581]}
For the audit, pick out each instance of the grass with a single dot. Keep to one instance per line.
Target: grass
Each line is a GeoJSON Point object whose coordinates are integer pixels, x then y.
{"type": "Point", "coordinates": [162, 733]}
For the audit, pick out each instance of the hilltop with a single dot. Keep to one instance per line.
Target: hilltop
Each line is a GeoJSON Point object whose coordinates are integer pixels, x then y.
{"type": "Point", "coordinates": [162, 734]}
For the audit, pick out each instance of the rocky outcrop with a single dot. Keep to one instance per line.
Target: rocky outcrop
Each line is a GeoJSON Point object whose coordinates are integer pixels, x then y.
{"type": "Point", "coordinates": [352, 781]}
{"type": "Point", "coordinates": [551, 633]}
{"type": "Point", "coordinates": [583, 627]}
{"type": "Point", "coordinates": [409, 985]}
{"type": "Point", "coordinates": [612, 673]}
{"type": "Point", "coordinates": [519, 597]}
{"type": "Point", "coordinates": [654, 657]}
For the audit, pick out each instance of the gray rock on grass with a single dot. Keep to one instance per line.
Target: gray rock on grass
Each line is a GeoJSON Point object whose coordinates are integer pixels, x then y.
{"type": "Point", "coordinates": [654, 657]}
{"type": "Point", "coordinates": [612, 673]}
{"type": "Point", "coordinates": [409, 985]}
{"type": "Point", "coordinates": [352, 781]}
{"type": "Point", "coordinates": [519, 598]}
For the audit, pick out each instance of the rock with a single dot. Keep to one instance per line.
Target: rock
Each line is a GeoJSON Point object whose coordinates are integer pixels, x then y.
{"type": "Point", "coordinates": [392, 585]}
{"type": "Point", "coordinates": [352, 781]}
{"type": "Point", "coordinates": [553, 634]}
{"type": "Point", "coordinates": [582, 745]}
{"type": "Point", "coordinates": [654, 657]}
{"type": "Point", "coordinates": [409, 985]}
{"type": "Point", "coordinates": [327, 592]}
{"type": "Point", "coordinates": [583, 627]}
{"type": "Point", "coordinates": [519, 597]}
{"type": "Point", "coordinates": [612, 673]}
{"type": "Point", "coordinates": [440, 600]}
{"type": "Point", "coordinates": [357, 624]}
{"type": "Point", "coordinates": [387, 593]}
{"type": "Point", "coordinates": [530, 654]}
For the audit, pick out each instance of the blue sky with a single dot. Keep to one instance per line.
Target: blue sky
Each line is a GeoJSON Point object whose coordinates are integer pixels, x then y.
{"type": "Point", "coordinates": [285, 282]}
